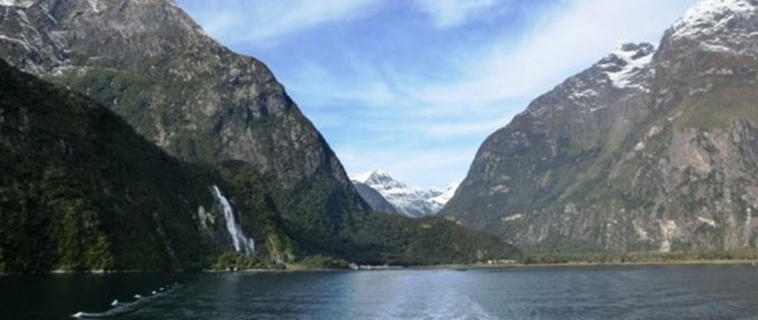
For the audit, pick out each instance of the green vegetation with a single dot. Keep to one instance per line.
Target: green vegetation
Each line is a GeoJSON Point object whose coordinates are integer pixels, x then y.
{"type": "Point", "coordinates": [748, 254]}
{"type": "Point", "coordinates": [397, 240]}
{"type": "Point", "coordinates": [235, 261]}
{"type": "Point", "coordinates": [259, 213]}
{"type": "Point", "coordinates": [80, 190]}
{"type": "Point", "coordinates": [323, 262]}
{"type": "Point", "coordinates": [730, 97]}
{"type": "Point", "coordinates": [560, 245]}
{"type": "Point", "coordinates": [728, 102]}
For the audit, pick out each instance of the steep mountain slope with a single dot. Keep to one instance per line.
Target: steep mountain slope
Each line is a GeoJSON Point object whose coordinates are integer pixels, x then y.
{"type": "Point", "coordinates": [244, 151]}
{"type": "Point", "coordinates": [151, 64]}
{"type": "Point", "coordinates": [375, 200]}
{"type": "Point", "coordinates": [649, 149]}
{"type": "Point", "coordinates": [445, 195]}
{"type": "Point", "coordinates": [407, 201]}
{"type": "Point", "coordinates": [81, 190]}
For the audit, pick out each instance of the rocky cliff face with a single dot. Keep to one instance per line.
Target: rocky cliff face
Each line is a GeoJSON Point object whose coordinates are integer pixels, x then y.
{"type": "Point", "coordinates": [649, 149]}
{"type": "Point", "coordinates": [150, 63]}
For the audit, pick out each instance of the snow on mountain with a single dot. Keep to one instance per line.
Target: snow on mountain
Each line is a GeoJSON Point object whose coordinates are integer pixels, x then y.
{"type": "Point", "coordinates": [446, 195]}
{"type": "Point", "coordinates": [408, 201]}
{"type": "Point", "coordinates": [17, 3]}
{"type": "Point", "coordinates": [626, 63]}
{"type": "Point", "coordinates": [627, 70]}
{"type": "Point", "coordinates": [378, 177]}
{"type": "Point", "coordinates": [719, 26]}
{"type": "Point", "coordinates": [711, 16]}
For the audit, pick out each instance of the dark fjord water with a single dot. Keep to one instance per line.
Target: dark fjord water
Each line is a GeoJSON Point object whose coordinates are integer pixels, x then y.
{"type": "Point", "coordinates": [640, 292]}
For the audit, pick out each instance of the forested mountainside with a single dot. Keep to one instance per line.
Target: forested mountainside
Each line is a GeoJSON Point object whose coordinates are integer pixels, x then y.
{"type": "Point", "coordinates": [81, 190]}
{"type": "Point", "coordinates": [200, 102]}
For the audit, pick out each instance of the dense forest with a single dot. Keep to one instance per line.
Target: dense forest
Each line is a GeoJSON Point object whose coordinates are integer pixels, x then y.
{"type": "Point", "coordinates": [80, 190]}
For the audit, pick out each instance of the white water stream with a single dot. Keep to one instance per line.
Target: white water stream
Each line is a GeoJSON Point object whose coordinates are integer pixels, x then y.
{"type": "Point", "coordinates": [241, 242]}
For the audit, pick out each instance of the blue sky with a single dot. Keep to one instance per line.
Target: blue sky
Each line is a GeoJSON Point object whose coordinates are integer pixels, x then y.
{"type": "Point", "coordinates": [415, 86]}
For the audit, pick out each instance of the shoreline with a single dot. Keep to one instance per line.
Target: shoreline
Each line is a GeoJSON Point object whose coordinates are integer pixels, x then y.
{"type": "Point", "coordinates": [591, 264]}
{"type": "Point", "coordinates": [458, 267]}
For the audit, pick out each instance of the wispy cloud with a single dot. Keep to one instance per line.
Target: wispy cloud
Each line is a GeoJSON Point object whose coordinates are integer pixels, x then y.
{"type": "Point", "coordinates": [451, 13]}
{"type": "Point", "coordinates": [456, 129]}
{"type": "Point", "coordinates": [262, 21]}
{"type": "Point", "coordinates": [571, 37]}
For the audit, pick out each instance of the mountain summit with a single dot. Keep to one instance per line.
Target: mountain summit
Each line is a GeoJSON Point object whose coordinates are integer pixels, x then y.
{"type": "Point", "coordinates": [397, 197]}
{"type": "Point", "coordinates": [715, 18]}
{"type": "Point", "coordinates": [648, 149]}
{"type": "Point", "coordinates": [151, 64]}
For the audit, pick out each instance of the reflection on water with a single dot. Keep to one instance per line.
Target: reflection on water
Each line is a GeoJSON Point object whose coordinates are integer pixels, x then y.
{"type": "Point", "coordinates": [649, 292]}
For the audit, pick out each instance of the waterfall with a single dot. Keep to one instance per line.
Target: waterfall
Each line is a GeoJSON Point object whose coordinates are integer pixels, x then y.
{"type": "Point", "coordinates": [748, 226]}
{"type": "Point", "coordinates": [241, 243]}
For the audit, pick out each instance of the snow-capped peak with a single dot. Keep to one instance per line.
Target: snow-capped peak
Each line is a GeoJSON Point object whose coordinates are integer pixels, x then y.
{"type": "Point", "coordinates": [409, 201]}
{"type": "Point", "coordinates": [365, 176]}
{"type": "Point", "coordinates": [17, 3]}
{"type": "Point", "coordinates": [626, 62]}
{"type": "Point", "coordinates": [711, 16]}
{"type": "Point", "coordinates": [378, 177]}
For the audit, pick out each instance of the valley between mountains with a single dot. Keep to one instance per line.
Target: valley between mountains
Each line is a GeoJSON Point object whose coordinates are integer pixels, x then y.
{"type": "Point", "coordinates": [132, 140]}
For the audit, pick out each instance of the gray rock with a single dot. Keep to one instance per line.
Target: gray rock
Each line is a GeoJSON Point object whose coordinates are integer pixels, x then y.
{"type": "Point", "coordinates": [646, 150]}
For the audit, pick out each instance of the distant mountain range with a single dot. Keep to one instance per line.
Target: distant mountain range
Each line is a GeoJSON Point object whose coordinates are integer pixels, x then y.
{"type": "Point", "coordinates": [653, 148]}
{"type": "Point", "coordinates": [385, 194]}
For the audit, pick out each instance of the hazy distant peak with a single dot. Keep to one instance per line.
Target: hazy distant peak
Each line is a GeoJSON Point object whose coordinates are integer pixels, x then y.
{"type": "Point", "coordinates": [377, 177]}
{"type": "Point", "coordinates": [408, 201]}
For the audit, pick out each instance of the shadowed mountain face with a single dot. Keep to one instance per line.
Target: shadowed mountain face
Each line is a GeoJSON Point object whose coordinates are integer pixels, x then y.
{"type": "Point", "coordinates": [649, 149]}
{"type": "Point", "coordinates": [211, 156]}
{"type": "Point", "coordinates": [81, 190]}
{"type": "Point", "coordinates": [374, 199]}
{"type": "Point", "coordinates": [152, 65]}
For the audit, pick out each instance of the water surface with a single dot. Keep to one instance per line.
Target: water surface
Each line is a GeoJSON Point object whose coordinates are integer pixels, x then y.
{"type": "Point", "coordinates": [634, 292]}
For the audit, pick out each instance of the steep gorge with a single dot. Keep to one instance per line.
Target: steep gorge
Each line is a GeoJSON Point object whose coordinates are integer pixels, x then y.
{"type": "Point", "coordinates": [211, 161]}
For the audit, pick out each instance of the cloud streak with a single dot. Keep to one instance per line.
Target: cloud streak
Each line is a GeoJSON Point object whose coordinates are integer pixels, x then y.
{"type": "Point", "coordinates": [263, 22]}
{"type": "Point", "coordinates": [452, 13]}
{"type": "Point", "coordinates": [572, 37]}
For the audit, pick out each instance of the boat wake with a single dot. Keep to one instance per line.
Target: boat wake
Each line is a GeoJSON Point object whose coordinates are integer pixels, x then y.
{"type": "Point", "coordinates": [119, 307]}
{"type": "Point", "coordinates": [456, 306]}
